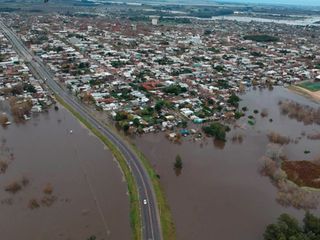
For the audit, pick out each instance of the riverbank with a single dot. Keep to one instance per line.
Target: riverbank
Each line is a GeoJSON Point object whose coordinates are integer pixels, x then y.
{"type": "Point", "coordinates": [305, 92]}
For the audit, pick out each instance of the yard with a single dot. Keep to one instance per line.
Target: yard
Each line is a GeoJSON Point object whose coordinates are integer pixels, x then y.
{"type": "Point", "coordinates": [311, 86]}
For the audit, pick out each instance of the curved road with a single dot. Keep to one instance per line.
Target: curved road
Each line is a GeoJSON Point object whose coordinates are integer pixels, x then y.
{"type": "Point", "coordinates": [151, 229]}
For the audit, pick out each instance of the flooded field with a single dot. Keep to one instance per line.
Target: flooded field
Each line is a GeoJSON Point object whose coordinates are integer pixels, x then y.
{"type": "Point", "coordinates": [301, 22]}
{"type": "Point", "coordinates": [71, 187]}
{"type": "Point", "coordinates": [220, 191]}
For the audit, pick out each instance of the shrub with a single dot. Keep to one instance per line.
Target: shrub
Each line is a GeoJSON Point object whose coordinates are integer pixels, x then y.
{"type": "Point", "coordinates": [33, 203]}
{"type": "Point", "coordinates": [238, 115]}
{"type": "Point", "coordinates": [216, 130]}
{"type": "Point", "coordinates": [175, 89]}
{"type": "Point", "coordinates": [3, 119]}
{"type": "Point", "coordinates": [48, 189]}
{"type": "Point", "coordinates": [278, 139]}
{"type": "Point", "coordinates": [288, 227]}
{"type": "Point", "coordinates": [25, 181]}
{"type": "Point", "coordinates": [302, 113]}
{"type": "Point", "coordinates": [19, 108]}
{"type": "Point", "coordinates": [251, 122]}
{"type": "Point", "coordinates": [13, 187]}
{"type": "Point", "coordinates": [48, 200]}
{"type": "Point", "coordinates": [234, 100]}
{"type": "Point", "coordinates": [264, 113]}
{"type": "Point", "coordinates": [178, 163]}
{"type": "Point", "coordinates": [120, 116]}
{"type": "Point", "coordinates": [3, 166]}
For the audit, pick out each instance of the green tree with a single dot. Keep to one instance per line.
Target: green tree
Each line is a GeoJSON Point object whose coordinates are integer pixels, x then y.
{"type": "Point", "coordinates": [289, 225]}
{"type": "Point", "coordinates": [125, 127]}
{"type": "Point", "coordinates": [288, 228]}
{"type": "Point", "coordinates": [83, 65]}
{"type": "Point", "coordinates": [175, 89]}
{"type": "Point", "coordinates": [311, 223]}
{"type": "Point", "coordinates": [178, 163]}
{"type": "Point", "coordinates": [216, 130]}
{"type": "Point", "coordinates": [184, 124]}
{"type": "Point", "coordinates": [219, 68]}
{"type": "Point", "coordinates": [273, 232]}
{"type": "Point", "coordinates": [234, 100]}
{"type": "Point", "coordinates": [121, 115]}
{"type": "Point", "coordinates": [30, 88]}
{"type": "Point", "coordinates": [238, 114]}
{"type": "Point", "coordinates": [136, 122]}
{"type": "Point", "coordinates": [159, 105]}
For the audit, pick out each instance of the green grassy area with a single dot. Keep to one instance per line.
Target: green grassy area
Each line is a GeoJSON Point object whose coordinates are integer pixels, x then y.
{"type": "Point", "coordinates": [311, 86]}
{"type": "Point", "coordinates": [167, 224]}
{"type": "Point", "coordinates": [135, 216]}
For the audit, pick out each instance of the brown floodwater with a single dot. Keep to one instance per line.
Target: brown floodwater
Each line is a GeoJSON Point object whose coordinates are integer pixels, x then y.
{"type": "Point", "coordinates": [91, 196]}
{"type": "Point", "coordinates": [220, 193]}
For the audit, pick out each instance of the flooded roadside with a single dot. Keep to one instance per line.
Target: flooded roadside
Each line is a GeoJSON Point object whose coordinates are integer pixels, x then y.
{"type": "Point", "coordinates": [220, 186]}
{"type": "Point", "coordinates": [86, 185]}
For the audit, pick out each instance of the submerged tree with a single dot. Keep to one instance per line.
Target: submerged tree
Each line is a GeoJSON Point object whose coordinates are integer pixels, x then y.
{"type": "Point", "coordinates": [178, 163]}
{"type": "Point", "coordinates": [92, 237]}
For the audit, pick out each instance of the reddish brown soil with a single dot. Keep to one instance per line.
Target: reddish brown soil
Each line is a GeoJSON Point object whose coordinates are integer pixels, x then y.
{"type": "Point", "coordinates": [303, 173]}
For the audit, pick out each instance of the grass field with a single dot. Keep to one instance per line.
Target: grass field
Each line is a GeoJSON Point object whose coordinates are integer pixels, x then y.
{"type": "Point", "coordinates": [311, 86]}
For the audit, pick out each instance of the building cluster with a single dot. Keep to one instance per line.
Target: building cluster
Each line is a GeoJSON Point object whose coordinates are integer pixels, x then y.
{"type": "Point", "coordinates": [151, 78]}
{"type": "Point", "coordinates": [18, 85]}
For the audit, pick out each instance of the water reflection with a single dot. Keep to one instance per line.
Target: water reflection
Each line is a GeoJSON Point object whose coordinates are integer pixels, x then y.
{"type": "Point", "coordinates": [177, 171]}
{"type": "Point", "coordinates": [219, 144]}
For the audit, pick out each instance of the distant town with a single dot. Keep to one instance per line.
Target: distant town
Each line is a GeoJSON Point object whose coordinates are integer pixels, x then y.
{"type": "Point", "coordinates": [142, 119]}
{"type": "Point", "coordinates": [152, 75]}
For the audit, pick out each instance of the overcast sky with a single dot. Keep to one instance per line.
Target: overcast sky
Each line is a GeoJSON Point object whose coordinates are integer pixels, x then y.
{"type": "Point", "coordinates": [294, 2]}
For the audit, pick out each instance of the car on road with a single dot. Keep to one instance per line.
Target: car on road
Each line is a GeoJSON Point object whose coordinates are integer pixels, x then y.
{"type": "Point", "coordinates": [145, 201]}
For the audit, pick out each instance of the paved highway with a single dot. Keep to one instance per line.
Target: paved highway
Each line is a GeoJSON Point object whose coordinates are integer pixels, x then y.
{"type": "Point", "coordinates": [151, 229]}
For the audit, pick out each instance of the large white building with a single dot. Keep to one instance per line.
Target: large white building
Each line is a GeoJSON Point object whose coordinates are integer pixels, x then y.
{"type": "Point", "coordinates": [154, 20]}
